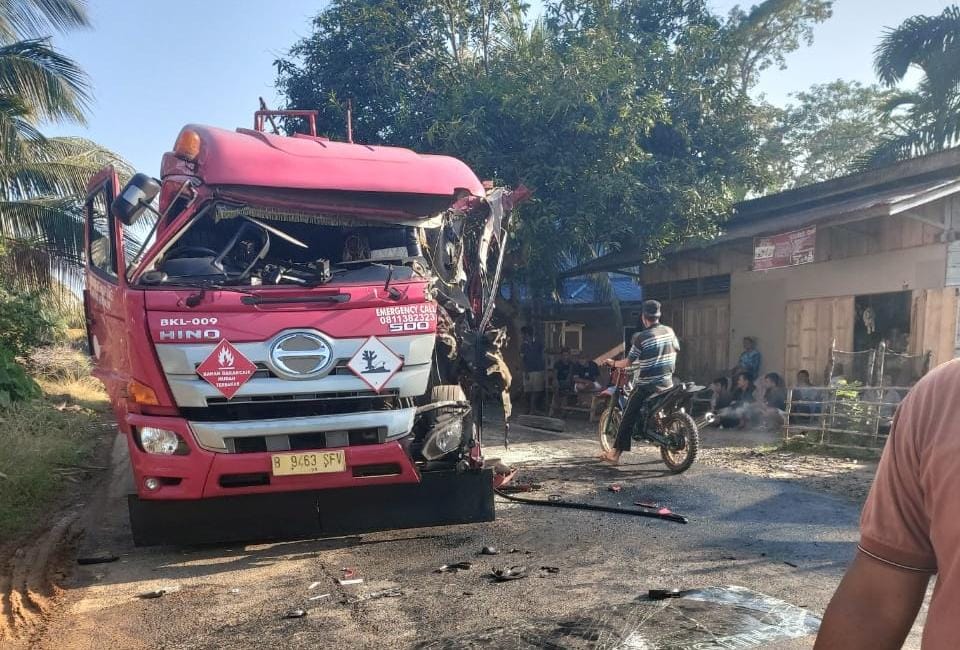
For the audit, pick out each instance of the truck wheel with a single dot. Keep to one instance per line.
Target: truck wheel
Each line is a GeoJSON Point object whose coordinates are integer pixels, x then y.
{"type": "Point", "coordinates": [447, 393]}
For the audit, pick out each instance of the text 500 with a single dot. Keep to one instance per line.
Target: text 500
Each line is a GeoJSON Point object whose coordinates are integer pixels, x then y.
{"type": "Point", "coordinates": [417, 326]}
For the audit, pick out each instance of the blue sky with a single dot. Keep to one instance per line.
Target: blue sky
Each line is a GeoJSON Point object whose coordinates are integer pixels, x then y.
{"type": "Point", "coordinates": [156, 66]}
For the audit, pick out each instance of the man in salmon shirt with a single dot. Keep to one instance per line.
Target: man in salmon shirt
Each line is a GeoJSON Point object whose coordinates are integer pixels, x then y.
{"type": "Point", "coordinates": [909, 530]}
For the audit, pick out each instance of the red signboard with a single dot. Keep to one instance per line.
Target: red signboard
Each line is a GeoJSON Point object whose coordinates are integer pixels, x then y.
{"type": "Point", "coordinates": [785, 249]}
{"type": "Point", "coordinates": [226, 369]}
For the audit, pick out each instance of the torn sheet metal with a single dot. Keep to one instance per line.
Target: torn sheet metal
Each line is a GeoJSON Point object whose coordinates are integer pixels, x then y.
{"type": "Point", "coordinates": [713, 618]}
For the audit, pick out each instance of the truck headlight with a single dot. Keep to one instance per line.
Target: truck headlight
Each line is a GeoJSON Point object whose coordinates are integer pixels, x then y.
{"type": "Point", "coordinates": [159, 441]}
{"type": "Point", "coordinates": [446, 437]}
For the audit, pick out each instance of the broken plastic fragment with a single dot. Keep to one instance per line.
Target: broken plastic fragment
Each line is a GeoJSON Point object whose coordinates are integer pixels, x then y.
{"type": "Point", "coordinates": [101, 558]}
{"type": "Point", "coordinates": [509, 573]}
{"type": "Point", "coordinates": [295, 613]}
{"type": "Point", "coordinates": [661, 594]}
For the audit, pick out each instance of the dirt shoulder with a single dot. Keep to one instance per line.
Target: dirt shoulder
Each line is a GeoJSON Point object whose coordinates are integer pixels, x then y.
{"type": "Point", "coordinates": [56, 452]}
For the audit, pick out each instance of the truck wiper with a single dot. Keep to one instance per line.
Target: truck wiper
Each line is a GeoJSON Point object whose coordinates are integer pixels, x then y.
{"type": "Point", "coordinates": [195, 299]}
{"type": "Point", "coordinates": [278, 300]}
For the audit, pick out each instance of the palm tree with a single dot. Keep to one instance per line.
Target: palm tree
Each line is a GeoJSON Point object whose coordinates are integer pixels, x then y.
{"type": "Point", "coordinates": [926, 119]}
{"type": "Point", "coordinates": [42, 180]}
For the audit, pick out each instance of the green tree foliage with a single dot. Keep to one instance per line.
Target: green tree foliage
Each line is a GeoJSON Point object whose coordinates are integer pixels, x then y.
{"type": "Point", "coordinates": [25, 322]}
{"type": "Point", "coordinates": [762, 36]}
{"type": "Point", "coordinates": [823, 133]}
{"type": "Point", "coordinates": [15, 383]}
{"type": "Point", "coordinates": [927, 118]}
{"type": "Point", "coordinates": [619, 114]}
{"type": "Point", "coordinates": [42, 180]}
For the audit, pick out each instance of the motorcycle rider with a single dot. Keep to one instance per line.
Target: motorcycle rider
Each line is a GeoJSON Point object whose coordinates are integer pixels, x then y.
{"type": "Point", "coordinates": [654, 351]}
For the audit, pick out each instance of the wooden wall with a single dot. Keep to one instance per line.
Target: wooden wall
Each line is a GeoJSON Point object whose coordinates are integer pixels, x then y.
{"type": "Point", "coordinates": [703, 327]}
{"type": "Point", "coordinates": [812, 326]}
{"type": "Point", "coordinates": [870, 237]}
{"type": "Point", "coordinates": [933, 324]}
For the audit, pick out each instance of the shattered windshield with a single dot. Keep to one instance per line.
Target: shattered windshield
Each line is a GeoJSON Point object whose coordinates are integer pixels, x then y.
{"type": "Point", "coordinates": [240, 246]}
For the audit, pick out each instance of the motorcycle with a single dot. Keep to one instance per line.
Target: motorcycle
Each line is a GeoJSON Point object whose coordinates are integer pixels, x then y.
{"type": "Point", "coordinates": [664, 420]}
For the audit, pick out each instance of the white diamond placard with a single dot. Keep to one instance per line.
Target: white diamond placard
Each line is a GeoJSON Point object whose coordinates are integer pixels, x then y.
{"type": "Point", "coordinates": [375, 363]}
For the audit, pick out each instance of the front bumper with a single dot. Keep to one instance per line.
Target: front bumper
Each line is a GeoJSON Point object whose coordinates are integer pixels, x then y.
{"type": "Point", "coordinates": [203, 474]}
{"type": "Point", "coordinates": [439, 499]}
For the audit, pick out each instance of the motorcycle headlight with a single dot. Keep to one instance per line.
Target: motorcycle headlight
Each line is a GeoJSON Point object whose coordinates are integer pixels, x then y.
{"type": "Point", "coordinates": [446, 437]}
{"type": "Point", "coordinates": [159, 441]}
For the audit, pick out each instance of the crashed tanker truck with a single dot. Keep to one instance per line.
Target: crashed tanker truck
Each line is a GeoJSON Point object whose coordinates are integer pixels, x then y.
{"type": "Point", "coordinates": [302, 346]}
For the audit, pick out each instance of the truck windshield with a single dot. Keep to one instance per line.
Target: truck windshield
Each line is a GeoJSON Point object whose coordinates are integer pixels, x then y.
{"type": "Point", "coordinates": [243, 247]}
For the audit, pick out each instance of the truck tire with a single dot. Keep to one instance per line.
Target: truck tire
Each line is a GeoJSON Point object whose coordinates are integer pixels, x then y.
{"type": "Point", "coordinates": [447, 393]}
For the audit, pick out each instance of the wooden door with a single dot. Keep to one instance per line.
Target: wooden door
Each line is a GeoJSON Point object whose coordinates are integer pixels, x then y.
{"type": "Point", "coordinates": [933, 324]}
{"type": "Point", "coordinates": [812, 325]}
{"type": "Point", "coordinates": [703, 327]}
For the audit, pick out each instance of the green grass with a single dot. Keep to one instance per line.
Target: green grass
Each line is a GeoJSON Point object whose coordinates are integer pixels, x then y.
{"type": "Point", "coordinates": [40, 438]}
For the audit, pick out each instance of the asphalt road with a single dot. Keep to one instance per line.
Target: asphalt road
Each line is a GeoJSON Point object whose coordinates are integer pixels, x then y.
{"type": "Point", "coordinates": [765, 535]}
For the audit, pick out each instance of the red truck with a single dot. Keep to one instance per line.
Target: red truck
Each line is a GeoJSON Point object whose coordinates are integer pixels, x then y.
{"type": "Point", "coordinates": [288, 354]}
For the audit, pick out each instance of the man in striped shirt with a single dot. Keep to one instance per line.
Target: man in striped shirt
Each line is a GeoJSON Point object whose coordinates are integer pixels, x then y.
{"type": "Point", "coordinates": [653, 350]}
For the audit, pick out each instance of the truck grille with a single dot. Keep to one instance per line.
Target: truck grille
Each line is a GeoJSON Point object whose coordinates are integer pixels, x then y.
{"type": "Point", "coordinates": [305, 441]}
{"type": "Point", "coordinates": [288, 406]}
{"type": "Point", "coordinates": [263, 370]}
{"type": "Point", "coordinates": [298, 397]}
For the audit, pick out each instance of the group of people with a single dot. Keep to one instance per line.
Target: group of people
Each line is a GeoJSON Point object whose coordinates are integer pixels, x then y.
{"type": "Point", "coordinates": [735, 399]}
{"type": "Point", "coordinates": [574, 374]}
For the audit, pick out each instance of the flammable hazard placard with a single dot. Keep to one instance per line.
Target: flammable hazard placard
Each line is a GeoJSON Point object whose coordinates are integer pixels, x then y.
{"type": "Point", "coordinates": [226, 369]}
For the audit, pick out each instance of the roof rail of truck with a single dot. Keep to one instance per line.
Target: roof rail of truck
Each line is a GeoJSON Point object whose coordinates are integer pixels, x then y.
{"type": "Point", "coordinates": [260, 116]}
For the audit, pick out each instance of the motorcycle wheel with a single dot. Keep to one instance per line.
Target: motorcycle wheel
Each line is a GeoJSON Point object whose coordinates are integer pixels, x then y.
{"type": "Point", "coordinates": [681, 428]}
{"type": "Point", "coordinates": [607, 428]}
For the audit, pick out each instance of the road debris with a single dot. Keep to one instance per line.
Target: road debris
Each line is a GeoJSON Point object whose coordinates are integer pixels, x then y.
{"type": "Point", "coordinates": [550, 569]}
{"type": "Point", "coordinates": [615, 487]}
{"type": "Point", "coordinates": [348, 572]}
{"type": "Point", "coordinates": [295, 613]}
{"type": "Point", "coordinates": [351, 581]}
{"type": "Point", "coordinates": [156, 593]}
{"type": "Point", "coordinates": [393, 592]}
{"type": "Point", "coordinates": [314, 585]}
{"type": "Point", "coordinates": [101, 558]}
{"type": "Point", "coordinates": [319, 597]}
{"type": "Point", "coordinates": [489, 550]}
{"type": "Point", "coordinates": [521, 487]}
{"type": "Point", "coordinates": [792, 564]}
{"type": "Point", "coordinates": [509, 573]}
{"type": "Point", "coordinates": [453, 568]}
{"type": "Point", "coordinates": [662, 594]}
{"type": "Point", "coordinates": [557, 502]}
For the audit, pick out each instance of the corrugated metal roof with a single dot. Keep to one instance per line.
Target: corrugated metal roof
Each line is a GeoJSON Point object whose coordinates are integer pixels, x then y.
{"type": "Point", "coordinates": [864, 204]}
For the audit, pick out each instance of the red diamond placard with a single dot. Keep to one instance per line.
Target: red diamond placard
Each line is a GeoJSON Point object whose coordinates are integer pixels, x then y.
{"type": "Point", "coordinates": [226, 369]}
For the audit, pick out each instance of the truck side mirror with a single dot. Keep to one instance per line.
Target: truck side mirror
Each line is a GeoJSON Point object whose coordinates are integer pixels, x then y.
{"type": "Point", "coordinates": [137, 195]}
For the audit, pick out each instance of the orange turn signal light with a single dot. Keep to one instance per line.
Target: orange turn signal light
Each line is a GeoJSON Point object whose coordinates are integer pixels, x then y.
{"type": "Point", "coordinates": [142, 394]}
{"type": "Point", "coordinates": [187, 146]}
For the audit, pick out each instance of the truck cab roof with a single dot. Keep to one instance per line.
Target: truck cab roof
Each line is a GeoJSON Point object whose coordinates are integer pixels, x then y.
{"type": "Point", "coordinates": [250, 158]}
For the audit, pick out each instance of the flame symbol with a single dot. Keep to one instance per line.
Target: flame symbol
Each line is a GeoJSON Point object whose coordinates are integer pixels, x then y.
{"type": "Point", "coordinates": [225, 358]}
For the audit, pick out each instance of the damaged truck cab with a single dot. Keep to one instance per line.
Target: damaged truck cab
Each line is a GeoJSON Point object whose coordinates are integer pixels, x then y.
{"type": "Point", "coordinates": [290, 353]}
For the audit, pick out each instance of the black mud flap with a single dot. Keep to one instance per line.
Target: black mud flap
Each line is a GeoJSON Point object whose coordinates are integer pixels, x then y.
{"type": "Point", "coordinates": [440, 499]}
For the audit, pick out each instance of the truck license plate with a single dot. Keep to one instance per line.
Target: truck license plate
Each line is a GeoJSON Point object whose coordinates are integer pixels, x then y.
{"type": "Point", "coordinates": [313, 462]}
